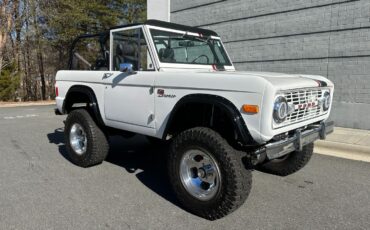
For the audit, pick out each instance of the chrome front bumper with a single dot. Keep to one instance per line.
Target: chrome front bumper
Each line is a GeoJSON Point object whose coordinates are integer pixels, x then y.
{"type": "Point", "coordinates": [298, 140]}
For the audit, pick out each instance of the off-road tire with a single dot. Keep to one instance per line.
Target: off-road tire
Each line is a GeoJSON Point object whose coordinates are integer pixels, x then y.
{"type": "Point", "coordinates": [97, 142]}
{"type": "Point", "coordinates": [236, 179]}
{"type": "Point", "coordinates": [290, 164]}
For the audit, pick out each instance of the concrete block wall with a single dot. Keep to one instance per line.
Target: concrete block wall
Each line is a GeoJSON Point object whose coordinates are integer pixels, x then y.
{"type": "Point", "coordinates": [325, 37]}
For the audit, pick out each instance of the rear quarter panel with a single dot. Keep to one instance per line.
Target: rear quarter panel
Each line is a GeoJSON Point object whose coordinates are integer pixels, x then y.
{"type": "Point", "coordinates": [65, 79]}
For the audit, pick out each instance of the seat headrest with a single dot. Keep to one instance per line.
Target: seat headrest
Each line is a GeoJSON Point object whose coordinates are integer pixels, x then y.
{"type": "Point", "coordinates": [166, 54]}
{"type": "Point", "coordinates": [129, 49]}
{"type": "Point", "coordinates": [119, 49]}
{"type": "Point", "coordinates": [126, 49]}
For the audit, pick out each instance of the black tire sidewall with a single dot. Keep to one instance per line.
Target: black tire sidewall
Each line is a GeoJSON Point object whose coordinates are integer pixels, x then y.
{"type": "Point", "coordinates": [187, 198]}
{"type": "Point", "coordinates": [91, 156]}
{"type": "Point", "coordinates": [293, 163]}
{"type": "Point", "coordinates": [76, 118]}
{"type": "Point", "coordinates": [236, 180]}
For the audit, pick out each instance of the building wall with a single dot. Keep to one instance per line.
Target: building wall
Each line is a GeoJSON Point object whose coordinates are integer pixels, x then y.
{"type": "Point", "coordinates": [325, 37]}
{"type": "Point", "coordinates": [158, 9]}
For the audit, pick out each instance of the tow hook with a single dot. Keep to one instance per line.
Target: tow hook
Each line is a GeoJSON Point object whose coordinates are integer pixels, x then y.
{"type": "Point", "coordinates": [256, 156]}
{"type": "Point", "coordinates": [322, 132]}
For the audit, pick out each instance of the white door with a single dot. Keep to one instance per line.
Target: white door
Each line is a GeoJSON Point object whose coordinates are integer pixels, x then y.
{"type": "Point", "coordinates": [129, 97]}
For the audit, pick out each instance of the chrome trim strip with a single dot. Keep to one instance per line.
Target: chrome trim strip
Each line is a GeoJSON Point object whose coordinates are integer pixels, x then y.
{"type": "Point", "coordinates": [162, 87]}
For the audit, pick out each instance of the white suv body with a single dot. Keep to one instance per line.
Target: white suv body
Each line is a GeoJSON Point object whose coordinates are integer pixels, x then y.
{"type": "Point", "coordinates": [176, 85]}
{"type": "Point", "coordinates": [133, 103]}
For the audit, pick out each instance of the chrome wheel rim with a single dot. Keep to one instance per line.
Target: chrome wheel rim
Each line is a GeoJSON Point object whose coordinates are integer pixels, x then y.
{"type": "Point", "coordinates": [78, 139]}
{"type": "Point", "coordinates": [200, 174]}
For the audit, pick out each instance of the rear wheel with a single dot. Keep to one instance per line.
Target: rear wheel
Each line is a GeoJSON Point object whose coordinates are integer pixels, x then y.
{"type": "Point", "coordinates": [290, 163]}
{"type": "Point", "coordinates": [207, 175]}
{"type": "Point", "coordinates": [86, 143]}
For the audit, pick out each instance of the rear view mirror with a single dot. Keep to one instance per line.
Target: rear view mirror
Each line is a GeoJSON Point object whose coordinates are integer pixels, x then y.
{"type": "Point", "coordinates": [126, 68]}
{"type": "Point", "coordinates": [186, 43]}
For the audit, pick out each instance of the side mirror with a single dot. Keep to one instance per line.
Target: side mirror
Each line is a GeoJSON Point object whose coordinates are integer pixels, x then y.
{"type": "Point", "coordinates": [126, 68]}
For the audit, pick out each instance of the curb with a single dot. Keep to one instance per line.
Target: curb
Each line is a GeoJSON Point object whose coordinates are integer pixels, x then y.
{"type": "Point", "coordinates": [347, 151]}
{"type": "Point", "coordinates": [22, 104]}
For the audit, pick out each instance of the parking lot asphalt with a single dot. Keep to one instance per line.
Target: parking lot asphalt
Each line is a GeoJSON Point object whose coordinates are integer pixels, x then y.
{"type": "Point", "coordinates": [41, 189]}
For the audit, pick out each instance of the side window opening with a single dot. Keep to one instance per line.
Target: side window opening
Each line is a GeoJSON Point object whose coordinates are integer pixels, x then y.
{"type": "Point", "coordinates": [90, 53]}
{"type": "Point", "coordinates": [129, 46]}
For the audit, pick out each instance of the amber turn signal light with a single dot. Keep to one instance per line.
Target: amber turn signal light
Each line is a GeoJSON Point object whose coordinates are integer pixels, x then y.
{"type": "Point", "coordinates": [251, 108]}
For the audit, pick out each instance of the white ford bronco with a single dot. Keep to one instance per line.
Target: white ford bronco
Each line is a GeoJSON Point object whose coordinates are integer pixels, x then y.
{"type": "Point", "coordinates": [177, 85]}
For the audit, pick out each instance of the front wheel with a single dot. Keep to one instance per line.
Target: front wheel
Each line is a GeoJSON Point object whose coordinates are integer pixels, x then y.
{"type": "Point", "coordinates": [290, 163]}
{"type": "Point", "coordinates": [207, 174]}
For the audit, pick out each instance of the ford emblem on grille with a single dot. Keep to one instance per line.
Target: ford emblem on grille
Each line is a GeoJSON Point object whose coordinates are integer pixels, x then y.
{"type": "Point", "coordinates": [306, 105]}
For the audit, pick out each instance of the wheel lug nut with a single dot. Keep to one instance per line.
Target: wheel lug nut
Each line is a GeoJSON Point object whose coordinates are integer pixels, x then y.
{"type": "Point", "coordinates": [201, 173]}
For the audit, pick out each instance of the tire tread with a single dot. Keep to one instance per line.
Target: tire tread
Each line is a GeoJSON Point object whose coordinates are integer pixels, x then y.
{"type": "Point", "coordinates": [98, 145]}
{"type": "Point", "coordinates": [239, 180]}
{"type": "Point", "coordinates": [295, 161]}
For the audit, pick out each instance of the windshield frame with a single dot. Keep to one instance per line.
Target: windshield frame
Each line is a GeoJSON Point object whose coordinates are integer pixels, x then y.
{"type": "Point", "coordinates": [228, 66]}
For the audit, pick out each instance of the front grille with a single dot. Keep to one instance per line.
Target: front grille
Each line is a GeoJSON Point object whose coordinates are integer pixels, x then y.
{"type": "Point", "coordinates": [305, 104]}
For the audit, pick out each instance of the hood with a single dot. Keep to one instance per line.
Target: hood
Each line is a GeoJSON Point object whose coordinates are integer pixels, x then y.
{"type": "Point", "coordinates": [255, 82]}
{"type": "Point", "coordinates": [282, 81]}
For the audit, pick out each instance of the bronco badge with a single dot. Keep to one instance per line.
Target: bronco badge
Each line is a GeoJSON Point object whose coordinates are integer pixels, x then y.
{"type": "Point", "coordinates": [161, 93]}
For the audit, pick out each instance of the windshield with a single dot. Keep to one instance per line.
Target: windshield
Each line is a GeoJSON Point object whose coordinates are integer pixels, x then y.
{"type": "Point", "coordinates": [187, 49]}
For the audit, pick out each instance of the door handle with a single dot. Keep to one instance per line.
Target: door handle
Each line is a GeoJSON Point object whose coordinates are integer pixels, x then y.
{"type": "Point", "coordinates": [107, 75]}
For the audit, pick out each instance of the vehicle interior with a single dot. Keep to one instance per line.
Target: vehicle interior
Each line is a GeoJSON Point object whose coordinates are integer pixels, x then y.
{"type": "Point", "coordinates": [90, 52]}
{"type": "Point", "coordinates": [185, 49]}
{"type": "Point", "coordinates": [93, 52]}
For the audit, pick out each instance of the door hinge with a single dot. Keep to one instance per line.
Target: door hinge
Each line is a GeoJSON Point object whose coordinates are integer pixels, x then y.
{"type": "Point", "coordinates": [107, 75]}
{"type": "Point", "coordinates": [151, 118]}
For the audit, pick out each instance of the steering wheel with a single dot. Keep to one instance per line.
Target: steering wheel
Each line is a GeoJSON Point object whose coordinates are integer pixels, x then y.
{"type": "Point", "coordinates": [202, 55]}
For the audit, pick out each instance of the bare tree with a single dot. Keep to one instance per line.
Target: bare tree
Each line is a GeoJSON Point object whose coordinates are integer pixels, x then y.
{"type": "Point", "coordinates": [40, 58]}
{"type": "Point", "coordinates": [35, 37]}
{"type": "Point", "coordinates": [6, 22]}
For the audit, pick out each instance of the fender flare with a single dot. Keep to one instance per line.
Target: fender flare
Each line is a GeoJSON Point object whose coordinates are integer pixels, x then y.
{"type": "Point", "coordinates": [93, 105]}
{"type": "Point", "coordinates": [232, 112]}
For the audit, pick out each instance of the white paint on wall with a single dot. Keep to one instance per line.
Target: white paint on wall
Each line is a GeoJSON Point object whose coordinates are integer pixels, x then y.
{"type": "Point", "coordinates": [158, 9]}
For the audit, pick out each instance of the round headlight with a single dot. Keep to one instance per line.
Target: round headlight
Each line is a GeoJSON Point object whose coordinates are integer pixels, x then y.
{"type": "Point", "coordinates": [280, 109]}
{"type": "Point", "coordinates": [326, 101]}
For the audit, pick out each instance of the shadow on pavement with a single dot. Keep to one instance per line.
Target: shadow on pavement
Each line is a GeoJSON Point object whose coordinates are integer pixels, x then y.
{"type": "Point", "coordinates": [136, 156]}
{"type": "Point", "coordinates": [57, 138]}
